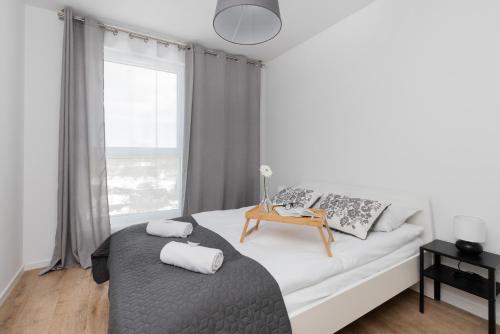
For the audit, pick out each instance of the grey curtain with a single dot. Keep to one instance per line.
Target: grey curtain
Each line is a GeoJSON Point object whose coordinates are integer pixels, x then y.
{"type": "Point", "coordinates": [83, 215]}
{"type": "Point", "coordinates": [222, 134]}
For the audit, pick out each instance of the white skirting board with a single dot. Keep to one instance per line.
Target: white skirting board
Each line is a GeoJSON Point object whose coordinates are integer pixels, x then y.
{"type": "Point", "coordinates": [15, 279]}
{"type": "Point", "coordinates": [36, 265]}
{"type": "Point", "coordinates": [8, 289]}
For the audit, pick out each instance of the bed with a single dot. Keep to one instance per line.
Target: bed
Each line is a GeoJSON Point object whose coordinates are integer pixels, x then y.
{"type": "Point", "coordinates": [354, 300]}
{"type": "Point", "coordinates": [321, 294]}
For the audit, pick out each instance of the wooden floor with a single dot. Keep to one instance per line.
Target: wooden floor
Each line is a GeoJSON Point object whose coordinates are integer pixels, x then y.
{"type": "Point", "coordinates": [70, 302]}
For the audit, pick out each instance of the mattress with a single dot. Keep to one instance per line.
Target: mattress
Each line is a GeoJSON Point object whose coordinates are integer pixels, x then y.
{"type": "Point", "coordinates": [303, 298]}
{"type": "Point", "coordinates": [296, 258]}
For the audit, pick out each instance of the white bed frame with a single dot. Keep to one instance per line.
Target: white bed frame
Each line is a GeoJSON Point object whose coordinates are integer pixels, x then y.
{"type": "Point", "coordinates": [331, 314]}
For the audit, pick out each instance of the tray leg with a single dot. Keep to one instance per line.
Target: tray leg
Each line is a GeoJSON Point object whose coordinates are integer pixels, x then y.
{"type": "Point", "coordinates": [325, 242]}
{"type": "Point", "coordinates": [257, 225]}
{"type": "Point", "coordinates": [330, 233]}
{"type": "Point", "coordinates": [244, 232]}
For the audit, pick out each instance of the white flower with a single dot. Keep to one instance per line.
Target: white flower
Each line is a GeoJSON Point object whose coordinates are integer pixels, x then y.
{"type": "Point", "coordinates": [266, 171]}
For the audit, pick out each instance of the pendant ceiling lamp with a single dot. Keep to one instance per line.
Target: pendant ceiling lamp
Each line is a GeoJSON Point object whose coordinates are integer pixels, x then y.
{"type": "Point", "coordinates": [247, 22]}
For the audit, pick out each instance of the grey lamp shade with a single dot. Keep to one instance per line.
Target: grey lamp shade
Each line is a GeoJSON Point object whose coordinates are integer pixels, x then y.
{"type": "Point", "coordinates": [247, 22]}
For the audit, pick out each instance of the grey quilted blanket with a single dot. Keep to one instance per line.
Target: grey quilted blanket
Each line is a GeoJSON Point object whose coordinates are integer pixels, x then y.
{"type": "Point", "coordinates": [147, 296]}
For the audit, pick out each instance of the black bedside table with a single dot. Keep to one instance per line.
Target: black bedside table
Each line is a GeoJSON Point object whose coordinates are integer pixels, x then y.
{"type": "Point", "coordinates": [474, 284]}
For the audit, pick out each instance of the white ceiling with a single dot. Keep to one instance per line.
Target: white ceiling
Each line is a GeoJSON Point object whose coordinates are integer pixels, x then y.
{"type": "Point", "coordinates": [191, 20]}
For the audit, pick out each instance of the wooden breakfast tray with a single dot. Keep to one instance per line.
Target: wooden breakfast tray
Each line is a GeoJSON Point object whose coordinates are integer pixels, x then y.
{"type": "Point", "coordinates": [319, 222]}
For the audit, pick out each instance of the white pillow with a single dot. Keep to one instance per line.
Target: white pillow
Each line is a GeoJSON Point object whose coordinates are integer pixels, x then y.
{"type": "Point", "coordinates": [395, 216]}
{"type": "Point", "coordinates": [352, 215]}
{"type": "Point", "coordinates": [403, 205]}
{"type": "Point", "coordinates": [297, 196]}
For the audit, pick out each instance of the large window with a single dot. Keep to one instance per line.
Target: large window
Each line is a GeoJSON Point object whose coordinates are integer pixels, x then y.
{"type": "Point", "coordinates": [143, 103]}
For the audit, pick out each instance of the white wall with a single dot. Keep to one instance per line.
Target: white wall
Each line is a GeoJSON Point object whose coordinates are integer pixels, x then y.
{"type": "Point", "coordinates": [403, 94]}
{"type": "Point", "coordinates": [11, 76]}
{"type": "Point", "coordinates": [43, 59]}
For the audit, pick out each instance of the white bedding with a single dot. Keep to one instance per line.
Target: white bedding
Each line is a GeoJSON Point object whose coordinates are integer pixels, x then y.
{"type": "Point", "coordinates": [303, 298]}
{"type": "Point", "coordinates": [296, 257]}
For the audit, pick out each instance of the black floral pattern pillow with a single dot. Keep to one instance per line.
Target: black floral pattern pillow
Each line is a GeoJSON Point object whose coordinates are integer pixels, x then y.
{"type": "Point", "coordinates": [296, 197]}
{"type": "Point", "coordinates": [352, 215]}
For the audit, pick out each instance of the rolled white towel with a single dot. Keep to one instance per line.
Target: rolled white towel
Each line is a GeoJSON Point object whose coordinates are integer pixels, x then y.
{"type": "Point", "coordinates": [192, 257]}
{"type": "Point", "coordinates": [169, 228]}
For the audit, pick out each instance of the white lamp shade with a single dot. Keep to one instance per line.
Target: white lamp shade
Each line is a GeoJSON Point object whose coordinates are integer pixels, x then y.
{"type": "Point", "coordinates": [470, 229]}
{"type": "Point", "coordinates": [247, 22]}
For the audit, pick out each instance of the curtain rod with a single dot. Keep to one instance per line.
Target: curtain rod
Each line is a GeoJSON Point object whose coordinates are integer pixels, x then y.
{"type": "Point", "coordinates": [115, 30]}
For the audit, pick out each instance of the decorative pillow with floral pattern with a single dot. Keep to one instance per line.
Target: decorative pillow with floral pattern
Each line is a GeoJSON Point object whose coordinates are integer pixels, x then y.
{"type": "Point", "coordinates": [352, 215]}
{"type": "Point", "coordinates": [296, 197]}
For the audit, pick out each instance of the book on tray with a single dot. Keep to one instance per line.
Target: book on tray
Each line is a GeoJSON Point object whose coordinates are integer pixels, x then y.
{"type": "Point", "coordinates": [294, 212]}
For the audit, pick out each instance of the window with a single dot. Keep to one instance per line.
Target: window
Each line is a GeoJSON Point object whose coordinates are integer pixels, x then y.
{"type": "Point", "coordinates": [143, 104]}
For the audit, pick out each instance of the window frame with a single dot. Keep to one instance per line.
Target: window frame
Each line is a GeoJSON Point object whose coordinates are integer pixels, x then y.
{"type": "Point", "coordinates": [121, 221]}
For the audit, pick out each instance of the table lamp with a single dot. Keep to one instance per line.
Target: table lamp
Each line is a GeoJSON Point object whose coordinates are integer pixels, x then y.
{"type": "Point", "coordinates": [470, 232]}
